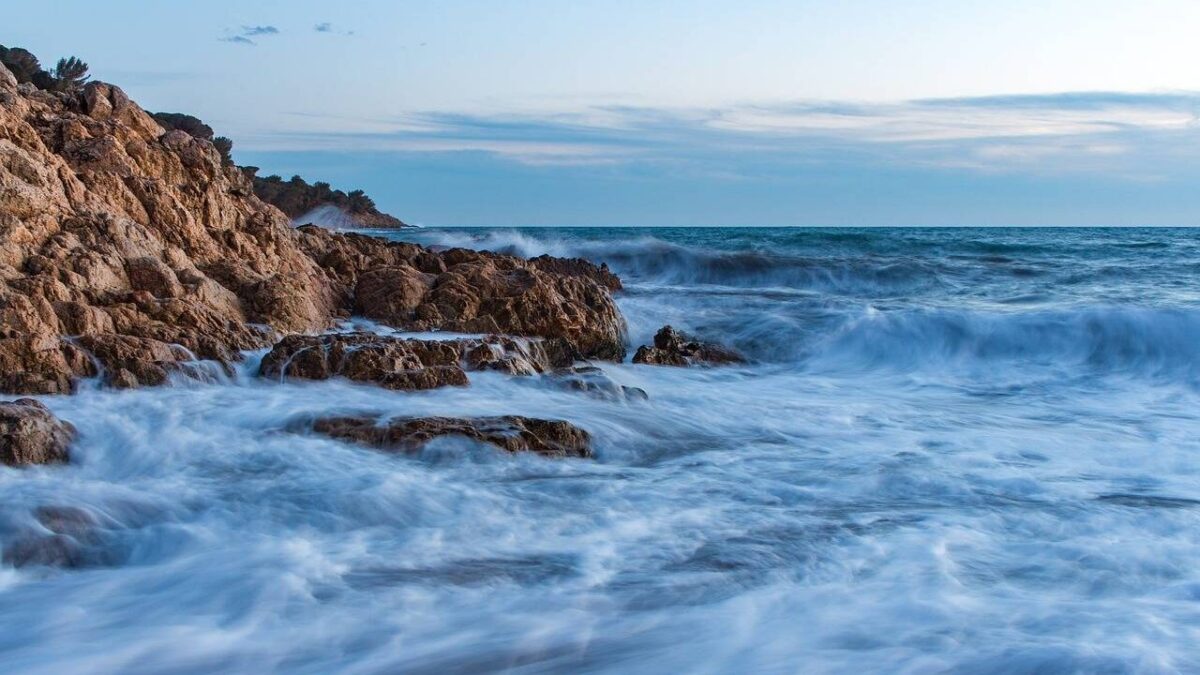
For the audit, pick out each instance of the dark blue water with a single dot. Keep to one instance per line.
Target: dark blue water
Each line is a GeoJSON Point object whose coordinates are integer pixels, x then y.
{"type": "Point", "coordinates": [965, 451]}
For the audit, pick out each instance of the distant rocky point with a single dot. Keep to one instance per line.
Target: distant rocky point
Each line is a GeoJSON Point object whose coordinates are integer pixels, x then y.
{"type": "Point", "coordinates": [305, 204]}
{"type": "Point", "coordinates": [319, 204]}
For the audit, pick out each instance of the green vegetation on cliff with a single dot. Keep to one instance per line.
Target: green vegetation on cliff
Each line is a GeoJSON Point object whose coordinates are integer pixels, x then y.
{"type": "Point", "coordinates": [69, 74]}
{"type": "Point", "coordinates": [296, 197]}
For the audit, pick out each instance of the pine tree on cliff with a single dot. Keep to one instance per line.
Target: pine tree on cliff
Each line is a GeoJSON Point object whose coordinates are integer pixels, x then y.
{"type": "Point", "coordinates": [224, 146]}
{"type": "Point", "coordinates": [70, 73]}
{"type": "Point", "coordinates": [23, 64]}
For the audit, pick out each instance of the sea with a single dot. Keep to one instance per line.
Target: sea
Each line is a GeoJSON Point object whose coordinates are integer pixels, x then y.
{"type": "Point", "coordinates": [953, 450]}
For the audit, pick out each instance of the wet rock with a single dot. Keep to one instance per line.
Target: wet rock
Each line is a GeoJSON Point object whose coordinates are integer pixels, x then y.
{"type": "Point", "coordinates": [578, 267]}
{"type": "Point", "coordinates": [594, 382]}
{"type": "Point", "coordinates": [672, 348]}
{"type": "Point", "coordinates": [550, 438]}
{"type": "Point", "coordinates": [54, 550]}
{"type": "Point", "coordinates": [64, 536]}
{"type": "Point", "coordinates": [405, 363]}
{"type": "Point", "coordinates": [127, 361]}
{"type": "Point", "coordinates": [41, 365]}
{"type": "Point", "coordinates": [409, 287]}
{"type": "Point", "coordinates": [31, 434]}
{"type": "Point", "coordinates": [364, 357]}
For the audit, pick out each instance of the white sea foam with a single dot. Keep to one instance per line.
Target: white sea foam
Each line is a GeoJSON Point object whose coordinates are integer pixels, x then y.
{"type": "Point", "coordinates": [900, 483]}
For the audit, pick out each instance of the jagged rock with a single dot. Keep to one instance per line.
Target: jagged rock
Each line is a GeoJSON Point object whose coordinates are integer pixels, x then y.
{"type": "Point", "coordinates": [365, 357]}
{"type": "Point", "coordinates": [127, 361]}
{"type": "Point", "coordinates": [407, 364]}
{"type": "Point", "coordinates": [409, 287]}
{"type": "Point", "coordinates": [550, 438]}
{"type": "Point", "coordinates": [578, 267]}
{"type": "Point", "coordinates": [31, 434]}
{"type": "Point", "coordinates": [110, 225]}
{"type": "Point", "coordinates": [41, 365]}
{"type": "Point", "coordinates": [153, 276]}
{"type": "Point", "coordinates": [672, 348]}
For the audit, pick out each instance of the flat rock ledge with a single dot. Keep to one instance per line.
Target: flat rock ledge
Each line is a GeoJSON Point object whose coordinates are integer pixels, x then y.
{"type": "Point", "coordinates": [673, 348]}
{"type": "Point", "coordinates": [549, 438]}
{"type": "Point", "coordinates": [31, 434]}
{"type": "Point", "coordinates": [410, 364]}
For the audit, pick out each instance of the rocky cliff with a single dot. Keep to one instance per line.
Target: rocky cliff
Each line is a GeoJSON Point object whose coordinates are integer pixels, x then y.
{"type": "Point", "coordinates": [127, 250]}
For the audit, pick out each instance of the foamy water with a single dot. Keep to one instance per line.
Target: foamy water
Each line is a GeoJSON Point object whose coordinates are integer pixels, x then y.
{"type": "Point", "coordinates": [956, 451]}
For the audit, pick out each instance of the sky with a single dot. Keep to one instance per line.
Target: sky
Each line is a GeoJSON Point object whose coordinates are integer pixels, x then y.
{"type": "Point", "coordinates": [758, 112]}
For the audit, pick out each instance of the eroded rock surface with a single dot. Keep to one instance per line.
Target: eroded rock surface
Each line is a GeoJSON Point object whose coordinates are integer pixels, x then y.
{"type": "Point", "coordinates": [410, 287]}
{"type": "Point", "coordinates": [673, 348]}
{"type": "Point", "coordinates": [109, 226]}
{"type": "Point", "coordinates": [31, 434]}
{"type": "Point", "coordinates": [409, 364]}
{"type": "Point", "coordinates": [550, 438]}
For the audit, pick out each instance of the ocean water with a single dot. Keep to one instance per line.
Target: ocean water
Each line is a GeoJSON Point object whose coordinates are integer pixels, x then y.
{"type": "Point", "coordinates": [955, 451]}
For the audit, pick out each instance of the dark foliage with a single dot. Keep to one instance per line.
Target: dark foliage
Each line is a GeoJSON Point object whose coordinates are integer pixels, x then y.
{"type": "Point", "coordinates": [224, 146]}
{"type": "Point", "coordinates": [192, 125]}
{"type": "Point", "coordinates": [68, 75]}
{"type": "Point", "coordinates": [21, 62]}
{"type": "Point", "coordinates": [295, 197]}
{"type": "Point", "coordinates": [197, 129]}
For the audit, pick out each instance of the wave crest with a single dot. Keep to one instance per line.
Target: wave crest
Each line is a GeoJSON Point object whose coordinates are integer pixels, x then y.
{"type": "Point", "coordinates": [1147, 342]}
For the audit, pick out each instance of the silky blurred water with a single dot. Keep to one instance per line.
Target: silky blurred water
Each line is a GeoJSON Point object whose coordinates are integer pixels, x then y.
{"type": "Point", "coordinates": [963, 450]}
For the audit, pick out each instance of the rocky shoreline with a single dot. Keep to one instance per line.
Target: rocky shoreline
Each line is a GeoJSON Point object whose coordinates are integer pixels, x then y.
{"type": "Point", "coordinates": [131, 253]}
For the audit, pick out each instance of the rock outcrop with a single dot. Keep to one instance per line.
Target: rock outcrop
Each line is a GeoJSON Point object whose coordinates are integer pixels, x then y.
{"type": "Point", "coordinates": [410, 287]}
{"type": "Point", "coordinates": [127, 249]}
{"type": "Point", "coordinates": [672, 348]}
{"type": "Point", "coordinates": [409, 364]}
{"type": "Point", "coordinates": [550, 438]}
{"type": "Point", "coordinates": [110, 226]}
{"type": "Point", "coordinates": [31, 434]}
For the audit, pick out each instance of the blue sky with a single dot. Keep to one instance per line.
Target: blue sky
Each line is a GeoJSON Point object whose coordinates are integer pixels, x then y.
{"type": "Point", "coordinates": [857, 112]}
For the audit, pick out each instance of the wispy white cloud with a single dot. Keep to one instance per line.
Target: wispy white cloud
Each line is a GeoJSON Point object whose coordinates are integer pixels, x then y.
{"type": "Point", "coordinates": [1045, 133]}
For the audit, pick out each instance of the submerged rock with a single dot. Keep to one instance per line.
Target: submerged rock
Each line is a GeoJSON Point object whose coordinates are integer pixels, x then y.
{"type": "Point", "coordinates": [673, 348]}
{"type": "Point", "coordinates": [550, 438]}
{"type": "Point", "coordinates": [406, 363]}
{"type": "Point", "coordinates": [594, 382]}
{"type": "Point", "coordinates": [62, 536]}
{"type": "Point", "coordinates": [31, 434]}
